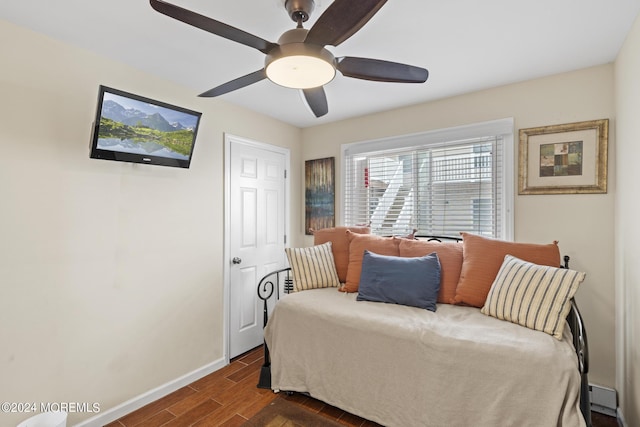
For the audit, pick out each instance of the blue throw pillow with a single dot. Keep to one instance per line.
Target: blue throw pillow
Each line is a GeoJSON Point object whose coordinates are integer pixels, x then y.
{"type": "Point", "coordinates": [399, 280]}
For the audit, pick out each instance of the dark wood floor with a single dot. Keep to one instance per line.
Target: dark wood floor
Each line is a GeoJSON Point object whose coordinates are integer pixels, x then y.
{"type": "Point", "coordinates": [229, 397]}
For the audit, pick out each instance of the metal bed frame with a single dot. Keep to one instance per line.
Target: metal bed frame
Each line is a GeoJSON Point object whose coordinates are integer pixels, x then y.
{"type": "Point", "coordinates": [269, 286]}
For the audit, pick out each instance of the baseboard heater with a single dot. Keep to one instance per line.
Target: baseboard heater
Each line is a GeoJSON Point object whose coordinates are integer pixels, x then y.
{"type": "Point", "coordinates": [603, 400]}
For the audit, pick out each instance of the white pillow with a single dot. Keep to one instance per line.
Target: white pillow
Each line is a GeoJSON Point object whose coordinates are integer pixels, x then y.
{"type": "Point", "coordinates": [313, 267]}
{"type": "Point", "coordinates": [531, 295]}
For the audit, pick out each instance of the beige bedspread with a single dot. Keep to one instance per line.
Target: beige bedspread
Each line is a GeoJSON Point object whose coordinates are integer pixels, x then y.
{"type": "Point", "coordinates": [403, 366]}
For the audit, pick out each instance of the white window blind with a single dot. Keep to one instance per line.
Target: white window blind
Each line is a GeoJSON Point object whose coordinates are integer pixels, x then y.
{"type": "Point", "coordinates": [437, 184]}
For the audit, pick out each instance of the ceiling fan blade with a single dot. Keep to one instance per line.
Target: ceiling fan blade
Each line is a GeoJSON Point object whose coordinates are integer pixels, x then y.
{"type": "Point", "coordinates": [316, 100]}
{"type": "Point", "coordinates": [381, 71]}
{"type": "Point", "coordinates": [341, 20]}
{"type": "Point", "coordinates": [211, 25]}
{"type": "Point", "coordinates": [238, 83]}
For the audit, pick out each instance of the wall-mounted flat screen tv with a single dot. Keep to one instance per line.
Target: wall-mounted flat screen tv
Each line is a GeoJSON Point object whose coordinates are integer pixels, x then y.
{"type": "Point", "coordinates": [132, 128]}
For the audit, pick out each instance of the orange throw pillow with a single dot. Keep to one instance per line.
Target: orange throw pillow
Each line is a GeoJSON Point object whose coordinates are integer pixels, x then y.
{"type": "Point", "coordinates": [358, 244]}
{"type": "Point", "coordinates": [450, 255]}
{"type": "Point", "coordinates": [483, 257]}
{"type": "Point", "coordinates": [339, 245]}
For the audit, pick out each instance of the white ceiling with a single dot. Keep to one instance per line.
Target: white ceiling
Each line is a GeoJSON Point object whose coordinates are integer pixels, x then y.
{"type": "Point", "coordinates": [466, 45]}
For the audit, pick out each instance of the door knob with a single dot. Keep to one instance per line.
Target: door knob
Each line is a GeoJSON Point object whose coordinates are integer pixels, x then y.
{"type": "Point", "coordinates": [236, 260]}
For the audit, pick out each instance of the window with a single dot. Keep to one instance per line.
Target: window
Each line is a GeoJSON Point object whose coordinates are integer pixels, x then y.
{"type": "Point", "coordinates": [440, 182]}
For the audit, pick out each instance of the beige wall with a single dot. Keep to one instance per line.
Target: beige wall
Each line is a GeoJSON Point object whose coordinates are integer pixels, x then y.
{"type": "Point", "coordinates": [111, 273]}
{"type": "Point", "coordinates": [582, 223]}
{"type": "Point", "coordinates": [627, 89]}
{"type": "Point", "coordinates": [110, 288]}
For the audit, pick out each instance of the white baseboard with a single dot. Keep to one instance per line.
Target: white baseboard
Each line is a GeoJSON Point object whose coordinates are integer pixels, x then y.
{"type": "Point", "coordinates": [138, 402]}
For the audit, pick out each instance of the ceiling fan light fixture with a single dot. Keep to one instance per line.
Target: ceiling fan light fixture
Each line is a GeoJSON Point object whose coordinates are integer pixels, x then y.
{"type": "Point", "coordinates": [300, 72]}
{"type": "Point", "coordinates": [300, 66]}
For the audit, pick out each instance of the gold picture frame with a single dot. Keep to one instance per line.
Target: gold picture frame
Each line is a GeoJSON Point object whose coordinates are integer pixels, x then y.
{"type": "Point", "coordinates": [564, 159]}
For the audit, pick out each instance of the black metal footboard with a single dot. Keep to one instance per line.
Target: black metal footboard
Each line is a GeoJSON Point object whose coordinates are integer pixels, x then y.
{"type": "Point", "coordinates": [269, 286]}
{"type": "Point", "coordinates": [582, 351]}
{"type": "Point", "coordinates": [580, 344]}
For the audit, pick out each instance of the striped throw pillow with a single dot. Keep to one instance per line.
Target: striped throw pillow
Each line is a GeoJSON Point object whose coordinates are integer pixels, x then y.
{"type": "Point", "coordinates": [531, 295]}
{"type": "Point", "coordinates": [313, 267]}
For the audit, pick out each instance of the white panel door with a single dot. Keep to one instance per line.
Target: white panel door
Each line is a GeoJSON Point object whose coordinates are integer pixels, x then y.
{"type": "Point", "coordinates": [256, 235]}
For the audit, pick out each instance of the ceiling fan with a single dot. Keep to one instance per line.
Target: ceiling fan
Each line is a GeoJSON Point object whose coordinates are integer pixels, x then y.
{"type": "Point", "coordinates": [299, 59]}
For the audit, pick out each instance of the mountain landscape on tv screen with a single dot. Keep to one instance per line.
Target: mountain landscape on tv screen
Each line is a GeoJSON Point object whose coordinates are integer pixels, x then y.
{"type": "Point", "coordinates": [146, 132]}
{"type": "Point", "coordinates": [133, 117]}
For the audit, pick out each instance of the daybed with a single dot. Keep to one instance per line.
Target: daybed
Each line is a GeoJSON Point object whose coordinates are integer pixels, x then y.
{"type": "Point", "coordinates": [456, 363]}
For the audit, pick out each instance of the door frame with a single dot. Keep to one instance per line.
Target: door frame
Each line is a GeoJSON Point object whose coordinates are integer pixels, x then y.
{"type": "Point", "coordinates": [228, 140]}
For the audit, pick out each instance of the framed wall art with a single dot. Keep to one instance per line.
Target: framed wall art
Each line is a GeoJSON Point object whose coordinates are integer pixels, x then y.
{"type": "Point", "coordinates": [320, 194]}
{"type": "Point", "coordinates": [564, 159]}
